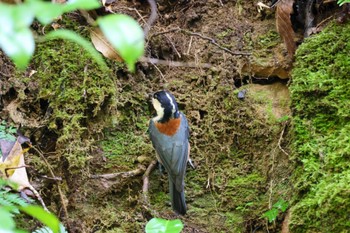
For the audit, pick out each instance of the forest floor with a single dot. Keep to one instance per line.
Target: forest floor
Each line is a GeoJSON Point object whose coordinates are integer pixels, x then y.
{"type": "Point", "coordinates": [89, 121]}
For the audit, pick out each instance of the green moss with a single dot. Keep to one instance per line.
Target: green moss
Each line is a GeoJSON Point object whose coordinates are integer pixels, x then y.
{"type": "Point", "coordinates": [320, 101]}
{"type": "Point", "coordinates": [268, 40]}
{"type": "Point", "coordinates": [122, 149]}
{"type": "Point", "coordinates": [224, 34]}
{"type": "Point", "coordinates": [77, 92]}
{"type": "Point", "coordinates": [108, 216]}
{"type": "Point", "coordinates": [231, 144]}
{"type": "Point", "coordinates": [234, 221]}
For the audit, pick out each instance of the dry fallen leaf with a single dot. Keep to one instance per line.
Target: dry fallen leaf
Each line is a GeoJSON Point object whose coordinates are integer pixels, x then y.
{"type": "Point", "coordinates": [13, 168]}
{"type": "Point", "coordinates": [284, 24]}
{"type": "Point", "coordinates": [32, 72]}
{"type": "Point", "coordinates": [12, 161]}
{"type": "Point", "coordinates": [108, 2]}
{"type": "Point", "coordinates": [102, 45]}
{"type": "Point", "coordinates": [55, 26]}
{"type": "Point", "coordinates": [5, 147]}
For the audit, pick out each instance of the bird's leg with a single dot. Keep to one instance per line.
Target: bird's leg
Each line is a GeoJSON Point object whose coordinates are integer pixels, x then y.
{"type": "Point", "coordinates": [161, 168]}
{"type": "Point", "coordinates": [189, 161]}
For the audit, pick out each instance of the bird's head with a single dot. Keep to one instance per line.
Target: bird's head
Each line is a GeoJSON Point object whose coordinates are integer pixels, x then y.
{"type": "Point", "coordinates": [165, 105]}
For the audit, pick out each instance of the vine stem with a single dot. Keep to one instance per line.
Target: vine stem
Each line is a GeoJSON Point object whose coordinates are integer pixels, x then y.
{"type": "Point", "coordinates": [53, 176]}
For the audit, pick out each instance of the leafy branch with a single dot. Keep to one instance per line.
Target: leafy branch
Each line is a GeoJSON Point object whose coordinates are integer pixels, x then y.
{"type": "Point", "coordinates": [11, 204]}
{"type": "Point", "coordinates": [280, 205]}
{"type": "Point", "coordinates": [17, 40]}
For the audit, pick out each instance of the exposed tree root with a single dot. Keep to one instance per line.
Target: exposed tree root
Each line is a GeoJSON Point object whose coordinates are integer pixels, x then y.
{"type": "Point", "coordinates": [127, 174]}
{"type": "Point", "coordinates": [145, 198]}
{"type": "Point", "coordinates": [152, 18]}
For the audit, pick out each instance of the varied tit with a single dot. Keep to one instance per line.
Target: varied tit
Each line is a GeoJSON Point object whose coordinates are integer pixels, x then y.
{"type": "Point", "coordinates": [169, 133]}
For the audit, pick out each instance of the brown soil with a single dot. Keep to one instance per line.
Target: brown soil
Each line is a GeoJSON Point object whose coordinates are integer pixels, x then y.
{"type": "Point", "coordinates": [240, 147]}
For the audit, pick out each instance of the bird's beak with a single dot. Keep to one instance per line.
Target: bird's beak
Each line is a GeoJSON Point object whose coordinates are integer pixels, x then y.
{"type": "Point", "coordinates": [150, 104]}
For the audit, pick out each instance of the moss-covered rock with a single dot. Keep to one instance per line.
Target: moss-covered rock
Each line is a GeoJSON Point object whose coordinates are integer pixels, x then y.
{"type": "Point", "coordinates": [75, 93]}
{"type": "Point", "coordinates": [320, 102]}
{"type": "Point", "coordinates": [239, 147]}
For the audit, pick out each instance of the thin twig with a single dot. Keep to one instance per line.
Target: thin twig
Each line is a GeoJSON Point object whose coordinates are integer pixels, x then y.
{"type": "Point", "coordinates": [145, 186]}
{"type": "Point", "coordinates": [133, 9]}
{"type": "Point", "coordinates": [160, 72]}
{"type": "Point", "coordinates": [165, 32]}
{"type": "Point", "coordinates": [275, 3]}
{"type": "Point", "coordinates": [88, 18]}
{"type": "Point", "coordinates": [172, 45]}
{"type": "Point", "coordinates": [174, 63]}
{"type": "Point", "coordinates": [37, 195]}
{"type": "Point", "coordinates": [323, 21]}
{"type": "Point", "coordinates": [145, 177]}
{"type": "Point", "coordinates": [328, 1]}
{"type": "Point", "coordinates": [271, 191]}
{"type": "Point", "coordinates": [127, 174]}
{"type": "Point", "coordinates": [152, 17]}
{"type": "Point", "coordinates": [53, 178]}
{"type": "Point", "coordinates": [212, 41]}
{"type": "Point", "coordinates": [208, 182]}
{"type": "Point", "coordinates": [189, 46]}
{"type": "Point", "coordinates": [13, 168]}
{"type": "Point", "coordinates": [53, 175]}
{"type": "Point", "coordinates": [280, 140]}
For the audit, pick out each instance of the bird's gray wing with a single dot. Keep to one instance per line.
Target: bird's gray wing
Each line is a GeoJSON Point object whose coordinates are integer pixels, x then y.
{"type": "Point", "coordinates": [172, 153]}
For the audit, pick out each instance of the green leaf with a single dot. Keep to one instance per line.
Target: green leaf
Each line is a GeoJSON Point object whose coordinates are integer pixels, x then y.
{"type": "Point", "coordinates": [72, 5]}
{"type": "Point", "coordinates": [72, 36]}
{"type": "Point", "coordinates": [271, 214]}
{"type": "Point", "coordinates": [45, 12]}
{"type": "Point", "coordinates": [16, 39]}
{"type": "Point", "coordinates": [43, 216]}
{"type": "Point", "coordinates": [341, 2]}
{"type": "Point", "coordinates": [3, 183]}
{"type": "Point", "coordinates": [12, 130]}
{"type": "Point", "coordinates": [125, 35]}
{"type": "Point", "coordinates": [7, 137]}
{"type": "Point", "coordinates": [281, 205]}
{"type": "Point", "coordinates": [283, 118]}
{"type": "Point", "coordinates": [7, 222]}
{"type": "Point", "coordinates": [158, 225]}
{"type": "Point", "coordinates": [48, 230]}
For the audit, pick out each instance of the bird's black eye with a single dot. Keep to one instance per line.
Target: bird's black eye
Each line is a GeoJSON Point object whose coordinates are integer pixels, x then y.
{"type": "Point", "coordinates": [155, 96]}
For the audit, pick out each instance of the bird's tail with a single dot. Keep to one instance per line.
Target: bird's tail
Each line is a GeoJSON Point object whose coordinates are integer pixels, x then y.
{"type": "Point", "coordinates": [177, 199]}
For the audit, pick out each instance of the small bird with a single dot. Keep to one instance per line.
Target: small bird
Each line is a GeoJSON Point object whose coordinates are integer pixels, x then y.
{"type": "Point", "coordinates": [169, 133]}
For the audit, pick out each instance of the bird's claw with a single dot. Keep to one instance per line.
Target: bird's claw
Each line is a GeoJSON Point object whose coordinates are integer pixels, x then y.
{"type": "Point", "coordinates": [191, 164]}
{"type": "Point", "coordinates": [161, 168]}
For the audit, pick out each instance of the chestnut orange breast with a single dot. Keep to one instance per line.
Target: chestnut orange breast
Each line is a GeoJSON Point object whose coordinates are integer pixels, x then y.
{"type": "Point", "coordinates": [170, 127]}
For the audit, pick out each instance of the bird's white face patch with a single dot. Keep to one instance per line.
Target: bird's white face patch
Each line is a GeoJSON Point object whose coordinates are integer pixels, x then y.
{"type": "Point", "coordinates": [171, 102]}
{"type": "Point", "coordinates": [159, 109]}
